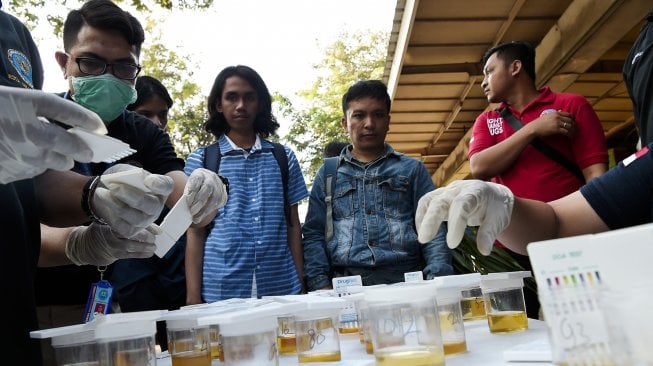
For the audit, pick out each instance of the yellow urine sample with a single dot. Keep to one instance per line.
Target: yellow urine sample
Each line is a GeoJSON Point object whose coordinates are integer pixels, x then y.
{"type": "Point", "coordinates": [369, 347]}
{"type": "Point", "coordinates": [451, 348]}
{"type": "Point", "coordinates": [507, 321]}
{"type": "Point", "coordinates": [447, 321]}
{"type": "Point", "coordinates": [473, 308]}
{"type": "Point", "coordinates": [131, 358]}
{"type": "Point", "coordinates": [347, 330]}
{"type": "Point", "coordinates": [319, 357]}
{"type": "Point", "coordinates": [409, 357]}
{"type": "Point", "coordinates": [216, 351]}
{"type": "Point", "coordinates": [191, 359]}
{"type": "Point", "coordinates": [287, 344]}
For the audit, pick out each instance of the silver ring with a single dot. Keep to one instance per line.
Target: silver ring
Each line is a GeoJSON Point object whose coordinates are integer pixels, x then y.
{"type": "Point", "coordinates": [565, 124]}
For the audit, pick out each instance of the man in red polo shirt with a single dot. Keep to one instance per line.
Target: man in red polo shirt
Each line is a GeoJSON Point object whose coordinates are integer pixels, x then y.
{"type": "Point", "coordinates": [565, 122]}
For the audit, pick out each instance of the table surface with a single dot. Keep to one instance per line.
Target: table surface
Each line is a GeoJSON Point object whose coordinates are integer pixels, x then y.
{"type": "Point", "coordinates": [483, 348]}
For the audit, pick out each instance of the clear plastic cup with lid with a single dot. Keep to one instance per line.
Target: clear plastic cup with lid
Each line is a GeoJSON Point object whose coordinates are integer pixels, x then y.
{"type": "Point", "coordinates": [503, 294]}
{"type": "Point", "coordinates": [405, 324]}
{"type": "Point", "coordinates": [73, 345]}
{"type": "Point", "coordinates": [316, 329]}
{"type": "Point", "coordinates": [471, 302]}
{"type": "Point", "coordinates": [127, 339]}
{"type": "Point", "coordinates": [452, 326]}
{"type": "Point", "coordinates": [250, 341]}
{"type": "Point", "coordinates": [188, 342]}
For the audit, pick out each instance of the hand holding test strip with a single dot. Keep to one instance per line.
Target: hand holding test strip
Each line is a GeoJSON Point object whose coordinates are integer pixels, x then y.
{"type": "Point", "coordinates": [175, 223]}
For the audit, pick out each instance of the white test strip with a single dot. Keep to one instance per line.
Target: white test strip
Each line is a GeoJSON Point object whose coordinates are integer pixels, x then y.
{"type": "Point", "coordinates": [131, 177]}
{"type": "Point", "coordinates": [105, 149]}
{"type": "Point", "coordinates": [174, 225]}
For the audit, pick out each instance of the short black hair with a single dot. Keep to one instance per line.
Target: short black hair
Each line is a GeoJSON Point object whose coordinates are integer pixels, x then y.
{"type": "Point", "coordinates": [374, 89]}
{"type": "Point", "coordinates": [334, 148]}
{"type": "Point", "coordinates": [265, 123]}
{"type": "Point", "coordinates": [148, 87]}
{"type": "Point", "coordinates": [104, 15]}
{"type": "Point", "coordinates": [515, 50]}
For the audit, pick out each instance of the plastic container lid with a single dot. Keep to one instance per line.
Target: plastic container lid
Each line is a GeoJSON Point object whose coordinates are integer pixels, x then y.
{"type": "Point", "coordinates": [503, 280]}
{"type": "Point", "coordinates": [462, 282]}
{"type": "Point", "coordinates": [67, 336]}
{"type": "Point", "coordinates": [272, 309]}
{"type": "Point", "coordinates": [316, 306]}
{"type": "Point", "coordinates": [251, 325]}
{"type": "Point", "coordinates": [109, 331]}
{"type": "Point", "coordinates": [186, 318]}
{"type": "Point", "coordinates": [401, 292]}
{"type": "Point", "coordinates": [126, 325]}
{"type": "Point", "coordinates": [448, 295]}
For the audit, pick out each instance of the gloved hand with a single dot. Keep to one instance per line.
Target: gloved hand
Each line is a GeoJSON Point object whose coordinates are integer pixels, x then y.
{"type": "Point", "coordinates": [204, 192]}
{"type": "Point", "coordinates": [128, 208]}
{"type": "Point", "coordinates": [98, 245]}
{"type": "Point", "coordinates": [465, 203]}
{"type": "Point", "coordinates": [29, 144]}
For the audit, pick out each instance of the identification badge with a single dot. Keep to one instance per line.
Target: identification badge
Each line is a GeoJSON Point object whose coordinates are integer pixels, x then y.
{"type": "Point", "coordinates": [99, 300]}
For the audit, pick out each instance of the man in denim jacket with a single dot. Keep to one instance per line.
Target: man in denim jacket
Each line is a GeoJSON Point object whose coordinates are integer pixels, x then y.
{"type": "Point", "coordinates": [374, 202]}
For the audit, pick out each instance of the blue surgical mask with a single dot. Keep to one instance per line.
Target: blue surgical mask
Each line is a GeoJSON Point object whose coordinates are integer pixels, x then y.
{"type": "Point", "coordinates": [104, 94]}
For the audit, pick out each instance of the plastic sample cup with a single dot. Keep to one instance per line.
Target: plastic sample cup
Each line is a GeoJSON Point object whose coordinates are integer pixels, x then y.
{"type": "Point", "coordinates": [405, 324]}
{"type": "Point", "coordinates": [286, 339]}
{"type": "Point", "coordinates": [451, 320]}
{"type": "Point", "coordinates": [127, 339]}
{"type": "Point", "coordinates": [73, 344]}
{"type": "Point", "coordinates": [472, 303]}
{"type": "Point", "coordinates": [503, 294]}
{"type": "Point", "coordinates": [317, 335]}
{"type": "Point", "coordinates": [251, 342]}
{"type": "Point", "coordinates": [188, 345]}
{"type": "Point", "coordinates": [81, 352]}
{"type": "Point", "coordinates": [215, 344]}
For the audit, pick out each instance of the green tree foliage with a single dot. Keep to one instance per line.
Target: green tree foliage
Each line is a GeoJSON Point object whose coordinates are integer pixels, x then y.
{"type": "Point", "coordinates": [25, 9]}
{"type": "Point", "coordinates": [350, 58]}
{"type": "Point", "coordinates": [188, 113]}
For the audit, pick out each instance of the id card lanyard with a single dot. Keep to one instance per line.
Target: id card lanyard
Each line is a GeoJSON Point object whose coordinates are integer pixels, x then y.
{"type": "Point", "coordinates": [99, 297]}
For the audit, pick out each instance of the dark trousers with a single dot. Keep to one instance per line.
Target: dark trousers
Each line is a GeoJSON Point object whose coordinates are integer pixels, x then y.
{"type": "Point", "coordinates": [150, 294]}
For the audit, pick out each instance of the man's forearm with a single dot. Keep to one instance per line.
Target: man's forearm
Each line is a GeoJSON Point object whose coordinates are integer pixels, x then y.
{"type": "Point", "coordinates": [60, 198]}
{"type": "Point", "coordinates": [53, 246]}
{"type": "Point", "coordinates": [295, 244]}
{"type": "Point", "coordinates": [194, 261]}
{"type": "Point", "coordinates": [498, 158]}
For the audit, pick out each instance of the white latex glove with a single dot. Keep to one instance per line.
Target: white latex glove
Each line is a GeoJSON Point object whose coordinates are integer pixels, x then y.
{"type": "Point", "coordinates": [29, 145]}
{"type": "Point", "coordinates": [204, 192]}
{"type": "Point", "coordinates": [126, 208]}
{"type": "Point", "coordinates": [98, 245]}
{"type": "Point", "coordinates": [465, 203]}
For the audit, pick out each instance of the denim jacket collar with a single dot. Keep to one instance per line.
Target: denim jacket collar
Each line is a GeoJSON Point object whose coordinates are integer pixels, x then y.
{"type": "Point", "coordinates": [389, 151]}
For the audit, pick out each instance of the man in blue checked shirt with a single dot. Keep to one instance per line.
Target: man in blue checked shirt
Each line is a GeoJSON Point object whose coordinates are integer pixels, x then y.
{"type": "Point", "coordinates": [374, 201]}
{"type": "Point", "coordinates": [253, 248]}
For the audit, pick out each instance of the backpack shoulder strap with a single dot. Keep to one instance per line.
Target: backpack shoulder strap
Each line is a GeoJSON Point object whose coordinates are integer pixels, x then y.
{"type": "Point", "coordinates": [330, 173]}
{"type": "Point", "coordinates": [543, 147]}
{"type": "Point", "coordinates": [279, 152]}
{"type": "Point", "coordinates": [212, 157]}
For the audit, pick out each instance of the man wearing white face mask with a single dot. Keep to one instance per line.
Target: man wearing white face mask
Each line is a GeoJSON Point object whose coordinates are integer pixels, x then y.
{"type": "Point", "coordinates": [102, 45]}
